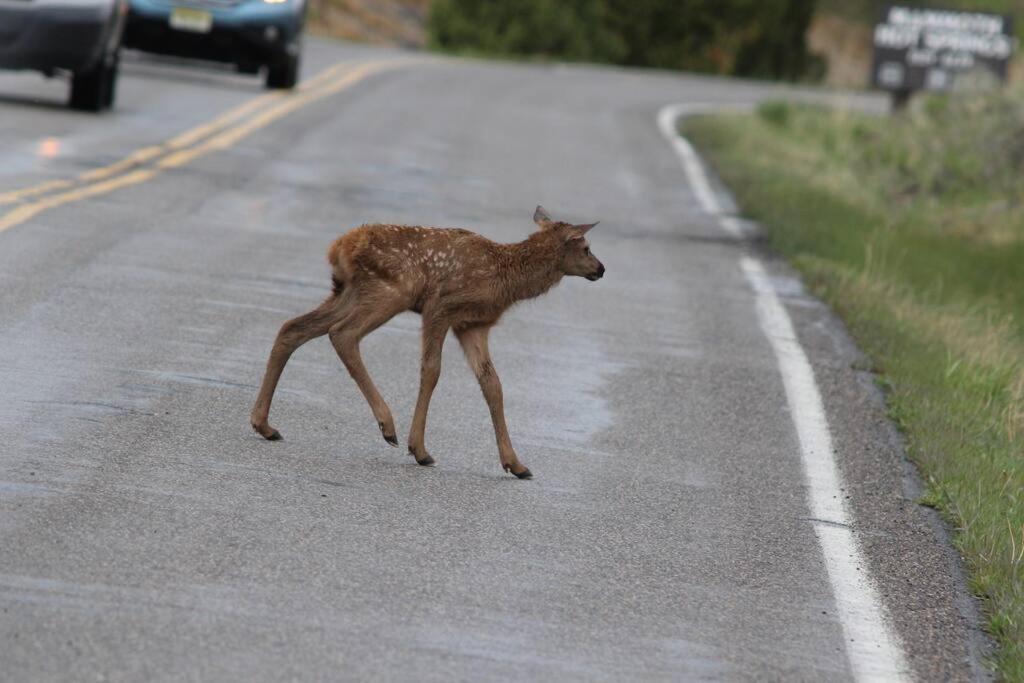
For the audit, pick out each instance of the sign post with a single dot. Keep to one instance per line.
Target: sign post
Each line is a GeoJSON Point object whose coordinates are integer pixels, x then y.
{"type": "Point", "coordinates": [916, 48]}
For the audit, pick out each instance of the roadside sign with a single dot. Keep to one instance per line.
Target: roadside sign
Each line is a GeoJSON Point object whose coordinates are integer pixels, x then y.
{"type": "Point", "coordinates": [917, 48]}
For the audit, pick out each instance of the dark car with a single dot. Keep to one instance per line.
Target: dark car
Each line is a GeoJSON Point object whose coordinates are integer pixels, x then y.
{"type": "Point", "coordinates": [81, 37]}
{"type": "Point", "coordinates": [251, 34]}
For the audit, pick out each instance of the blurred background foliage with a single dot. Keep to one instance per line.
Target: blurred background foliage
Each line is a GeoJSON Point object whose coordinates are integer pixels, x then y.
{"type": "Point", "coordinates": [816, 40]}
{"type": "Point", "coordinates": [741, 37]}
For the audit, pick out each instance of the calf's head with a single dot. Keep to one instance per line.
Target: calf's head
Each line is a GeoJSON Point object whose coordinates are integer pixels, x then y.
{"type": "Point", "coordinates": [576, 257]}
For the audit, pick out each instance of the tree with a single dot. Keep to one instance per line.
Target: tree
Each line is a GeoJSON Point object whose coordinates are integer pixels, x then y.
{"type": "Point", "coordinates": [763, 38]}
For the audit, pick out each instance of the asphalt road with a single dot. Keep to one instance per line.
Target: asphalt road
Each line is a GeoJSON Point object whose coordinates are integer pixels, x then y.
{"type": "Point", "coordinates": [147, 534]}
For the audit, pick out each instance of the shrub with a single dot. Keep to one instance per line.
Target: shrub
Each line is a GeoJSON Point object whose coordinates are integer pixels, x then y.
{"type": "Point", "coordinates": [761, 38]}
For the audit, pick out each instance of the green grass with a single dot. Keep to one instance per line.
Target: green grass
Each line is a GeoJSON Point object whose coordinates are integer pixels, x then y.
{"type": "Point", "coordinates": [912, 228]}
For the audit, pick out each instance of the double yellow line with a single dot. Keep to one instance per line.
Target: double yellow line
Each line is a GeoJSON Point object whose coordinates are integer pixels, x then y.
{"type": "Point", "coordinates": [218, 134]}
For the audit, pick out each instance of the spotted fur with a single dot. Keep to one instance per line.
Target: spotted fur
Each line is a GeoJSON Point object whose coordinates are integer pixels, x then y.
{"type": "Point", "coordinates": [456, 280]}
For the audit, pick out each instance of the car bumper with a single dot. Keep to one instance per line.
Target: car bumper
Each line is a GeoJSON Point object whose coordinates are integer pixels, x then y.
{"type": "Point", "coordinates": [47, 36]}
{"type": "Point", "coordinates": [248, 34]}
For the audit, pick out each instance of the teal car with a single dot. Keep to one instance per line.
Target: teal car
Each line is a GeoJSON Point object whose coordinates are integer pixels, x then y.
{"type": "Point", "coordinates": [251, 34]}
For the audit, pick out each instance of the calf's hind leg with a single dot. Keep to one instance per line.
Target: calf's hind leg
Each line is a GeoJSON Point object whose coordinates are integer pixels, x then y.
{"type": "Point", "coordinates": [345, 336]}
{"type": "Point", "coordinates": [292, 335]}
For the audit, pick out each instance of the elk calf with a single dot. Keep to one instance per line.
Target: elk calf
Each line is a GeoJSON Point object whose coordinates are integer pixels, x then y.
{"type": "Point", "coordinates": [454, 279]}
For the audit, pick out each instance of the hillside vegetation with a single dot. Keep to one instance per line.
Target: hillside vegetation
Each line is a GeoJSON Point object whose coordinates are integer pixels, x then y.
{"type": "Point", "coordinates": [789, 39]}
{"type": "Point", "coordinates": [386, 22]}
{"type": "Point", "coordinates": [743, 37]}
{"type": "Point", "coordinates": [912, 228]}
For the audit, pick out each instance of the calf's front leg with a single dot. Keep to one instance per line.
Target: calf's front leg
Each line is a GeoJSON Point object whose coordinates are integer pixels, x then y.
{"type": "Point", "coordinates": [430, 369]}
{"type": "Point", "coordinates": [474, 344]}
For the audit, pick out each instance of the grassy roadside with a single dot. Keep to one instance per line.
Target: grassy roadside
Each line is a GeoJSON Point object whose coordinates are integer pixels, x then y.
{"type": "Point", "coordinates": [913, 229]}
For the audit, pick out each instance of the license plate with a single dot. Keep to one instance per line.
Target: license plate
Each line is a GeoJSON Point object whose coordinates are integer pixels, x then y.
{"type": "Point", "coordinates": [192, 20]}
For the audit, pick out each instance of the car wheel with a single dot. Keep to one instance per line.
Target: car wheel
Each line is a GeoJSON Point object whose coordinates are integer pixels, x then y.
{"type": "Point", "coordinates": [284, 73]}
{"type": "Point", "coordinates": [115, 69]}
{"type": "Point", "coordinates": [94, 90]}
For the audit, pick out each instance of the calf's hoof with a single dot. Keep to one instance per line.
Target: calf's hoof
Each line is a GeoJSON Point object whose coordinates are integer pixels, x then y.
{"type": "Point", "coordinates": [391, 438]}
{"type": "Point", "coordinates": [520, 471]}
{"type": "Point", "coordinates": [423, 459]}
{"type": "Point", "coordinates": [267, 432]}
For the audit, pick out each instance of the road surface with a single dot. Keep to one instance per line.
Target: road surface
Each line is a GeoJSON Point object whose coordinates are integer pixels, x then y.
{"type": "Point", "coordinates": [147, 534]}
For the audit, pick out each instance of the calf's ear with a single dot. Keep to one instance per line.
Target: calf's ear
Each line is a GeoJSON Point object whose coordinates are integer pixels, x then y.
{"type": "Point", "coordinates": [577, 232]}
{"type": "Point", "coordinates": [541, 218]}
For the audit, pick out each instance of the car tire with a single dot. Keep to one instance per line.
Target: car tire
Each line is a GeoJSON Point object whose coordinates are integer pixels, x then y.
{"type": "Point", "coordinates": [111, 92]}
{"type": "Point", "coordinates": [94, 90]}
{"type": "Point", "coordinates": [284, 73]}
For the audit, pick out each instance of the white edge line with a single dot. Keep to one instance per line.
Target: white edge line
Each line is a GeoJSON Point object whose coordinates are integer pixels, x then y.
{"type": "Point", "coordinates": [872, 647]}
